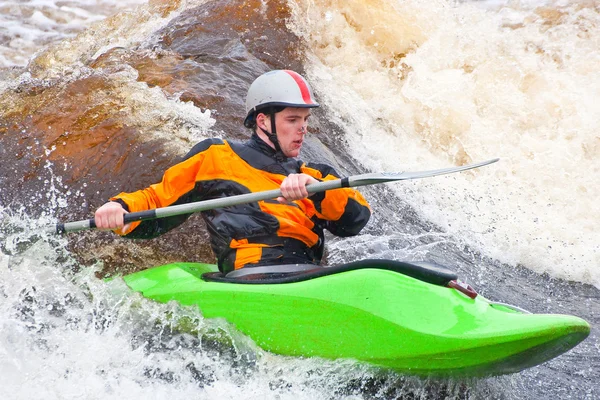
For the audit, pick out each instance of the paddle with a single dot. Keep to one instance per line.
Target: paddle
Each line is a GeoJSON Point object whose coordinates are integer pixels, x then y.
{"type": "Point", "coordinates": [352, 181]}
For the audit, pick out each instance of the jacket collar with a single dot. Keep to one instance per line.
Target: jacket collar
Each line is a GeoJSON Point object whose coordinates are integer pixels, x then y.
{"type": "Point", "coordinates": [257, 143]}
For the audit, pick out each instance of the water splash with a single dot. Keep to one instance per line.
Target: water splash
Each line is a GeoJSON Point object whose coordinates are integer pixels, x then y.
{"type": "Point", "coordinates": [26, 27]}
{"type": "Point", "coordinates": [449, 83]}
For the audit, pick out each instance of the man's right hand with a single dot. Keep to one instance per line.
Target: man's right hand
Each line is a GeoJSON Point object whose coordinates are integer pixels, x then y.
{"type": "Point", "coordinates": [110, 216]}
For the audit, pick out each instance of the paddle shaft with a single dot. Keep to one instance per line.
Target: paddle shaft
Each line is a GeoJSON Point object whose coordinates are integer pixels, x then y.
{"type": "Point", "coordinates": [189, 208]}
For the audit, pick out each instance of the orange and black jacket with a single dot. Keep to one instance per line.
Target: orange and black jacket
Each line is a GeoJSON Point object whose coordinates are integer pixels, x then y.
{"type": "Point", "coordinates": [262, 233]}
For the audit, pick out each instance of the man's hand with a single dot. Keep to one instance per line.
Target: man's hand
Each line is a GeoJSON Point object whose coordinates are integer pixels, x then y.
{"type": "Point", "coordinates": [293, 187]}
{"type": "Point", "coordinates": [110, 216]}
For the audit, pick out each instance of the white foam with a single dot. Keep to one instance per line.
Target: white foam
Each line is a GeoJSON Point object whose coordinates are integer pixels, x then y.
{"type": "Point", "coordinates": [30, 26]}
{"type": "Point", "coordinates": [473, 87]}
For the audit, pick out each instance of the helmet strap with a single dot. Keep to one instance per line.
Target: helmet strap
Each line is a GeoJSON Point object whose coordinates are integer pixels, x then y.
{"type": "Point", "coordinates": [273, 136]}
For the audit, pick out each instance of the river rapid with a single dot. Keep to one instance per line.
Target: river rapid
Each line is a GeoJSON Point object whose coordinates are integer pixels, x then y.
{"type": "Point", "coordinates": [100, 97]}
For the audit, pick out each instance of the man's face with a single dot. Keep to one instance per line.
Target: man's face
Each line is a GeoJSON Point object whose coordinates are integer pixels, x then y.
{"type": "Point", "coordinates": [291, 125]}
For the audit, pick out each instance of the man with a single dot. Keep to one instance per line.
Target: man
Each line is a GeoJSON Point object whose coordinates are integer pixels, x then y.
{"type": "Point", "coordinates": [288, 230]}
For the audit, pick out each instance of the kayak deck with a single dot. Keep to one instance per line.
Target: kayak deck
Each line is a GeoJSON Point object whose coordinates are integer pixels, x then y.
{"type": "Point", "coordinates": [373, 315]}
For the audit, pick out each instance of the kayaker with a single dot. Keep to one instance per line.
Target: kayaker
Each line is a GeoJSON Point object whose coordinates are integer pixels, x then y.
{"type": "Point", "coordinates": [286, 231]}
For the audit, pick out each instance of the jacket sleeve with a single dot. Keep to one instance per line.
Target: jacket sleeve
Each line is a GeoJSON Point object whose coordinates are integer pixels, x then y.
{"type": "Point", "coordinates": [344, 211]}
{"type": "Point", "coordinates": [177, 186]}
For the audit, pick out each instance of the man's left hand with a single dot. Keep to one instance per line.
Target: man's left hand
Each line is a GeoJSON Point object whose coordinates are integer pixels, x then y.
{"type": "Point", "coordinates": [293, 187]}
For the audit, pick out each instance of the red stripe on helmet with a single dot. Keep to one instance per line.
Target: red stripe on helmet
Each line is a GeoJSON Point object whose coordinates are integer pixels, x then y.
{"type": "Point", "coordinates": [301, 85]}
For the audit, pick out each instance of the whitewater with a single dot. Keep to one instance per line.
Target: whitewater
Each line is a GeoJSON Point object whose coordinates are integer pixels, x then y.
{"type": "Point", "coordinates": [411, 85]}
{"type": "Point", "coordinates": [518, 83]}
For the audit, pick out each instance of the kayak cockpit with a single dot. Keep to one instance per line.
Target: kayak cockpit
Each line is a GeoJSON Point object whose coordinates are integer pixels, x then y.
{"type": "Point", "coordinates": [289, 273]}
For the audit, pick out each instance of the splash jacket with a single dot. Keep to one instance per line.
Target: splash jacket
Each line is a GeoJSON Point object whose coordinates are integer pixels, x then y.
{"type": "Point", "coordinates": [261, 233]}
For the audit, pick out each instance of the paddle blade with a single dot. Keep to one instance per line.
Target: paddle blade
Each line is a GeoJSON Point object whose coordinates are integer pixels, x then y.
{"type": "Point", "coordinates": [369, 179]}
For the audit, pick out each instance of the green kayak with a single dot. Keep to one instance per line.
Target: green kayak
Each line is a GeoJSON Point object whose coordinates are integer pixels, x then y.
{"type": "Point", "coordinates": [409, 317]}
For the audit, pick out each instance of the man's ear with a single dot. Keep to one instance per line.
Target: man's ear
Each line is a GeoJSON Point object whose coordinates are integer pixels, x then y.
{"type": "Point", "coordinates": [261, 121]}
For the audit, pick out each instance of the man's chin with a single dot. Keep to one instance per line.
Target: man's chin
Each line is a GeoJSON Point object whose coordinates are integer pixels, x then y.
{"type": "Point", "coordinates": [293, 153]}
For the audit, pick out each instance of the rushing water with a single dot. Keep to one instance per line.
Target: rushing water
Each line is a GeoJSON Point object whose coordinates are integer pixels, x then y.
{"type": "Point", "coordinates": [27, 26]}
{"type": "Point", "coordinates": [106, 104]}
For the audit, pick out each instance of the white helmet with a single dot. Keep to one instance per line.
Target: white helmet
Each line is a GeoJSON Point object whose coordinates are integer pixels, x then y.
{"type": "Point", "coordinates": [279, 88]}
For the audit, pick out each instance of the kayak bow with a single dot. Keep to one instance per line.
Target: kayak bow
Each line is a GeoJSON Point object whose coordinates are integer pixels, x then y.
{"type": "Point", "coordinates": [401, 316]}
